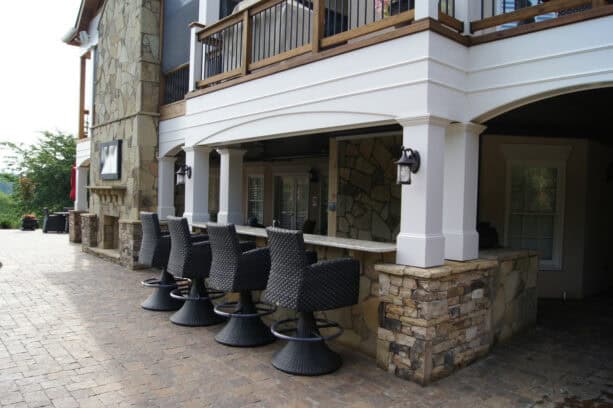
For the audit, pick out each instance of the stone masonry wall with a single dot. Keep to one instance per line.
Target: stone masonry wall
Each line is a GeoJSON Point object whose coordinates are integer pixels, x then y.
{"type": "Point", "coordinates": [368, 196]}
{"type": "Point", "coordinates": [89, 229]}
{"type": "Point", "coordinates": [130, 238]}
{"type": "Point", "coordinates": [127, 77]}
{"type": "Point", "coordinates": [434, 321]}
{"type": "Point", "coordinates": [74, 226]}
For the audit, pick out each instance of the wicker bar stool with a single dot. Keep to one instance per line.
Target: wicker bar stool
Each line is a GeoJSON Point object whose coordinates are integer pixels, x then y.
{"type": "Point", "coordinates": [304, 288]}
{"type": "Point", "coordinates": [191, 260]}
{"type": "Point", "coordinates": [154, 251]}
{"type": "Point", "coordinates": [238, 269]}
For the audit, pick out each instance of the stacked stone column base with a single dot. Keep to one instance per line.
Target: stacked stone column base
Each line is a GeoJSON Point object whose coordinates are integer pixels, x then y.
{"type": "Point", "coordinates": [74, 226]}
{"type": "Point", "coordinates": [436, 320]}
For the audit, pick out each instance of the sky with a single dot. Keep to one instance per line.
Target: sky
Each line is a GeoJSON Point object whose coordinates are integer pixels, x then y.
{"type": "Point", "coordinates": [39, 74]}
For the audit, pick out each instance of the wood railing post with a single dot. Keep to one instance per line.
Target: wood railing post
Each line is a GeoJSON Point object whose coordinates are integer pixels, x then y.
{"type": "Point", "coordinates": [319, 12]}
{"type": "Point", "coordinates": [247, 32]}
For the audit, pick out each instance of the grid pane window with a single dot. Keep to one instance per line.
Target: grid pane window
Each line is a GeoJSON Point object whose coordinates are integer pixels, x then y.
{"type": "Point", "coordinates": [255, 198]}
{"type": "Point", "coordinates": [533, 206]}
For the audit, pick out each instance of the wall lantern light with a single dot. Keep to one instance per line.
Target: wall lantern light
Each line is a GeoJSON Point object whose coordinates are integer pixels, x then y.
{"type": "Point", "coordinates": [184, 170]}
{"type": "Point", "coordinates": [408, 163]}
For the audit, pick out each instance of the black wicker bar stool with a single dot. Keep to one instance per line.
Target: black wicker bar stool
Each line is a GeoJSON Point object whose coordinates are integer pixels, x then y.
{"type": "Point", "coordinates": [154, 251]}
{"type": "Point", "coordinates": [304, 288]}
{"type": "Point", "coordinates": [237, 268]}
{"type": "Point", "coordinates": [191, 260]}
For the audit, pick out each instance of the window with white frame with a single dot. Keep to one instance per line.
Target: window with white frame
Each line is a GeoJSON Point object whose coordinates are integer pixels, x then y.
{"type": "Point", "coordinates": [255, 198]}
{"type": "Point", "coordinates": [535, 200]}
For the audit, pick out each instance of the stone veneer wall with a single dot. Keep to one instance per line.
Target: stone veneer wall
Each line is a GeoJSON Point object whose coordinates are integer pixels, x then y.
{"type": "Point", "coordinates": [127, 76]}
{"type": "Point", "coordinates": [130, 238]}
{"type": "Point", "coordinates": [74, 226]}
{"type": "Point", "coordinates": [434, 321]}
{"type": "Point", "coordinates": [368, 196]}
{"type": "Point", "coordinates": [89, 230]}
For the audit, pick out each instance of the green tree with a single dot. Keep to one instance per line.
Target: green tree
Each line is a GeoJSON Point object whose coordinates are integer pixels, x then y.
{"type": "Point", "coordinates": [43, 172]}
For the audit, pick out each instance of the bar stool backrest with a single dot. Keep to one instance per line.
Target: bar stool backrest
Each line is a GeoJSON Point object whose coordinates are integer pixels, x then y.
{"type": "Point", "coordinates": [288, 263]}
{"type": "Point", "coordinates": [225, 249]}
{"type": "Point", "coordinates": [186, 259]}
{"type": "Point", "coordinates": [149, 252]}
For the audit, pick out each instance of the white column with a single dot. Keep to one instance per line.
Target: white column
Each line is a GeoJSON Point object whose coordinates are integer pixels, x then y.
{"type": "Point", "coordinates": [425, 9]}
{"type": "Point", "coordinates": [166, 187]}
{"type": "Point", "coordinates": [420, 241]}
{"type": "Point", "coordinates": [209, 11]}
{"type": "Point", "coordinates": [195, 57]}
{"type": "Point", "coordinates": [80, 202]}
{"type": "Point", "coordinates": [197, 187]}
{"type": "Point", "coordinates": [467, 11]}
{"type": "Point", "coordinates": [230, 186]}
{"type": "Point", "coordinates": [460, 191]}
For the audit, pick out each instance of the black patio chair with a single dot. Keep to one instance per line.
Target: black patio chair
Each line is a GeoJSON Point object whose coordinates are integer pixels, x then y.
{"type": "Point", "coordinates": [236, 268]}
{"type": "Point", "coordinates": [54, 222]}
{"type": "Point", "coordinates": [191, 260]}
{"type": "Point", "coordinates": [304, 288]}
{"type": "Point", "coordinates": [154, 253]}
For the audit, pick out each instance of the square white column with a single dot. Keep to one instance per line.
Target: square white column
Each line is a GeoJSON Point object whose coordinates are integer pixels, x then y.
{"type": "Point", "coordinates": [197, 186]}
{"type": "Point", "coordinates": [195, 57]}
{"type": "Point", "coordinates": [230, 186]}
{"type": "Point", "coordinates": [467, 11]}
{"type": "Point", "coordinates": [80, 202]}
{"type": "Point", "coordinates": [460, 191]}
{"type": "Point", "coordinates": [426, 8]}
{"type": "Point", "coordinates": [420, 241]}
{"type": "Point", "coordinates": [166, 187]}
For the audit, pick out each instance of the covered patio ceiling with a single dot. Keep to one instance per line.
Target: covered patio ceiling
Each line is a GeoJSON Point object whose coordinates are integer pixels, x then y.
{"type": "Point", "coordinates": [585, 114]}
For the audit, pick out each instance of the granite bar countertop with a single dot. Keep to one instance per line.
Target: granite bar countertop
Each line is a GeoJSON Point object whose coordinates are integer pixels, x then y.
{"type": "Point", "coordinates": [322, 240]}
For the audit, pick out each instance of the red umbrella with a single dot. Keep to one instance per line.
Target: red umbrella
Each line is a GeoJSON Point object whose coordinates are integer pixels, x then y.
{"type": "Point", "coordinates": [73, 182]}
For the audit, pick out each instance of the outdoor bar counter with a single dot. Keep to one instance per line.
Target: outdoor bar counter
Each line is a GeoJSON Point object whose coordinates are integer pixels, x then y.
{"type": "Point", "coordinates": [322, 240]}
{"type": "Point", "coordinates": [423, 323]}
{"type": "Point", "coordinates": [361, 321]}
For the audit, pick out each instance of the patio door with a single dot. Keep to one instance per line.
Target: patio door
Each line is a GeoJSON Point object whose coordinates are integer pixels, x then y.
{"type": "Point", "coordinates": [291, 201]}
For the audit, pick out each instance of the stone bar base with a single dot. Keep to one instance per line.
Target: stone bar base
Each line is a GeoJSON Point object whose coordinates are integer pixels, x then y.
{"type": "Point", "coordinates": [74, 226]}
{"type": "Point", "coordinates": [89, 230]}
{"type": "Point", "coordinates": [436, 320]}
{"type": "Point", "coordinates": [130, 238]}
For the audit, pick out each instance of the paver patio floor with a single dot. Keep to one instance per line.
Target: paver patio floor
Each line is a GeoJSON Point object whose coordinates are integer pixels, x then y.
{"type": "Point", "coordinates": [72, 334]}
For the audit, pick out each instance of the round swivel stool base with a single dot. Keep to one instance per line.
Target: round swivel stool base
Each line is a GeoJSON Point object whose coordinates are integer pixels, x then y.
{"type": "Point", "coordinates": [306, 358]}
{"type": "Point", "coordinates": [196, 313]}
{"type": "Point", "coordinates": [160, 301]}
{"type": "Point", "coordinates": [245, 332]}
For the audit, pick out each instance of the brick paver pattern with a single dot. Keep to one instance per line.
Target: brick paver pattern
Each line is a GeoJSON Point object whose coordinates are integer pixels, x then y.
{"type": "Point", "coordinates": [72, 334]}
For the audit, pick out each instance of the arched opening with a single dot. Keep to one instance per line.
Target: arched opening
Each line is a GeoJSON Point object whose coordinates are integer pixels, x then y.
{"type": "Point", "coordinates": [546, 184]}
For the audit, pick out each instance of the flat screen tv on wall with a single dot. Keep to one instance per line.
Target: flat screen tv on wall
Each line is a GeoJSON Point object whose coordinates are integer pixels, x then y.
{"type": "Point", "coordinates": [110, 160]}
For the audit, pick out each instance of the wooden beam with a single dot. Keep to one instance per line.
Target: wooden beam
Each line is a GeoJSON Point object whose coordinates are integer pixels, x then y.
{"type": "Point", "coordinates": [247, 33]}
{"type": "Point", "coordinates": [81, 131]}
{"type": "Point", "coordinates": [319, 10]}
{"type": "Point", "coordinates": [343, 37]}
{"type": "Point", "coordinates": [304, 49]}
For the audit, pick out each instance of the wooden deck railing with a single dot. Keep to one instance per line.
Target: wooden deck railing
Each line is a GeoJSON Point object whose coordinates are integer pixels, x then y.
{"type": "Point", "coordinates": [504, 12]}
{"type": "Point", "coordinates": [175, 84]}
{"type": "Point", "coordinates": [273, 31]}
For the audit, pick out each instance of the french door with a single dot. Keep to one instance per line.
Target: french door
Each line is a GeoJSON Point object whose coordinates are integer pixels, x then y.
{"type": "Point", "coordinates": [291, 201]}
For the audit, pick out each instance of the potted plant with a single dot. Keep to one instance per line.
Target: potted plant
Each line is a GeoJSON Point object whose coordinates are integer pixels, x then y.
{"type": "Point", "coordinates": [29, 222]}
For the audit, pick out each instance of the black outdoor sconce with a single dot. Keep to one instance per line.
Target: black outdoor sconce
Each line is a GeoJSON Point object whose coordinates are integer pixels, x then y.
{"type": "Point", "coordinates": [184, 170]}
{"type": "Point", "coordinates": [408, 163]}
